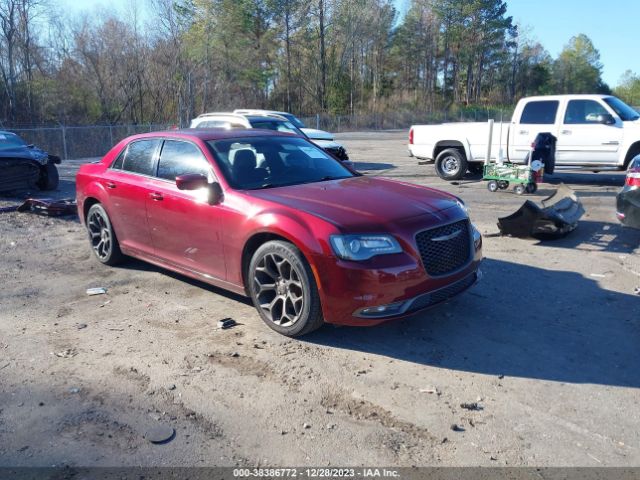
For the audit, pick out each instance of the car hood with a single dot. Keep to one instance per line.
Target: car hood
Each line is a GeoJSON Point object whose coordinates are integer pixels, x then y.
{"type": "Point", "coordinates": [24, 153]}
{"type": "Point", "coordinates": [315, 134]}
{"type": "Point", "coordinates": [361, 202]}
{"type": "Point", "coordinates": [326, 143]}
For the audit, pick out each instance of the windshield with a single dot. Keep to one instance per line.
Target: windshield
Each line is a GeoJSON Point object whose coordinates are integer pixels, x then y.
{"type": "Point", "coordinates": [293, 119]}
{"type": "Point", "coordinates": [624, 111]}
{"type": "Point", "coordinates": [277, 125]}
{"type": "Point", "coordinates": [267, 162]}
{"type": "Point", "coordinates": [10, 140]}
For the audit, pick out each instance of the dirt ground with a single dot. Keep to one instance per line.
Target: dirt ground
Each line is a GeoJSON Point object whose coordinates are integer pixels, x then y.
{"type": "Point", "coordinates": [547, 345]}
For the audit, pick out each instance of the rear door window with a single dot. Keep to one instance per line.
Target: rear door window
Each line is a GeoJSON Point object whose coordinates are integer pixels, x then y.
{"type": "Point", "coordinates": [540, 112]}
{"type": "Point", "coordinates": [179, 158]}
{"type": "Point", "coordinates": [139, 157]}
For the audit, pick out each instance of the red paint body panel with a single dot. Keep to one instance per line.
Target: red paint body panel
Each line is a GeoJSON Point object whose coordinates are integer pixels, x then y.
{"type": "Point", "coordinates": [184, 233]}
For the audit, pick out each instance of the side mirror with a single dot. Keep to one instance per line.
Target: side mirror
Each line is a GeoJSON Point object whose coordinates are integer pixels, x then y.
{"type": "Point", "coordinates": [606, 119]}
{"type": "Point", "coordinates": [191, 181]}
{"type": "Point", "coordinates": [215, 193]}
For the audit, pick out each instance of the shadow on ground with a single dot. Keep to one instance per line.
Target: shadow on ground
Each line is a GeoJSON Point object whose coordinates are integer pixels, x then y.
{"type": "Point", "coordinates": [599, 237]}
{"type": "Point", "coordinates": [609, 178]}
{"type": "Point", "coordinates": [520, 321]}
{"type": "Point", "coordinates": [141, 266]}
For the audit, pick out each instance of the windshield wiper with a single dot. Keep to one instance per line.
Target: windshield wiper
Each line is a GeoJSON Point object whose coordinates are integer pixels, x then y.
{"type": "Point", "coordinates": [329, 177]}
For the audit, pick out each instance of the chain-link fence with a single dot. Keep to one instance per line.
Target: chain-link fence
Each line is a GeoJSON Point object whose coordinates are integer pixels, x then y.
{"type": "Point", "coordinates": [71, 142]}
{"type": "Point", "coordinates": [81, 142]}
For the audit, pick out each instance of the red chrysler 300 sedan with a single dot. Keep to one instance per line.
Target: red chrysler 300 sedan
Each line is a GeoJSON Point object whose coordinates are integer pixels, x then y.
{"type": "Point", "coordinates": [272, 216]}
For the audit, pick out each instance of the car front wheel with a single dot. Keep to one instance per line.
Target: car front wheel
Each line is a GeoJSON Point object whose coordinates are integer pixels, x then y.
{"type": "Point", "coordinates": [283, 289]}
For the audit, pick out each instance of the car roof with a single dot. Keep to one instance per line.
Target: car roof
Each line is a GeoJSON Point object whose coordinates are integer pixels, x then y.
{"type": "Point", "coordinates": [265, 118]}
{"type": "Point", "coordinates": [206, 134]}
{"type": "Point", "coordinates": [572, 96]}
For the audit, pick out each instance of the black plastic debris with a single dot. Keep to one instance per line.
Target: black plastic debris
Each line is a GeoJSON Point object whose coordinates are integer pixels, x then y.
{"type": "Point", "coordinates": [474, 406]}
{"type": "Point", "coordinates": [558, 216]}
{"type": "Point", "coordinates": [226, 323]}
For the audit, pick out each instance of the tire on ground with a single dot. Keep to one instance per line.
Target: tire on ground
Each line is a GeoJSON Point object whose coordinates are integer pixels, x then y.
{"type": "Point", "coordinates": [451, 164]}
{"type": "Point", "coordinates": [311, 313]}
{"type": "Point", "coordinates": [49, 177]}
{"type": "Point", "coordinates": [115, 255]}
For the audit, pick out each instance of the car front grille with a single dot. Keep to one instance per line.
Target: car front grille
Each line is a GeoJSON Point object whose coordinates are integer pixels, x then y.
{"type": "Point", "coordinates": [445, 249]}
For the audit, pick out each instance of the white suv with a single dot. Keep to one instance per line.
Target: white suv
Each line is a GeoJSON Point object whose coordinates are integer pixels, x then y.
{"type": "Point", "coordinates": [269, 121]}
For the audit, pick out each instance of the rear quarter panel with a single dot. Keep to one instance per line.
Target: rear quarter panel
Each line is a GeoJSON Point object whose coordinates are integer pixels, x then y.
{"type": "Point", "coordinates": [88, 178]}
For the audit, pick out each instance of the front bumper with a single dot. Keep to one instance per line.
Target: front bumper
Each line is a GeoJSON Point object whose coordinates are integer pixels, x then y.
{"type": "Point", "coordinates": [353, 293]}
{"type": "Point", "coordinates": [420, 302]}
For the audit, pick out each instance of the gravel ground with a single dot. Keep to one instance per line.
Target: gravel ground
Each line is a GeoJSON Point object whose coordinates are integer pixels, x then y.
{"type": "Point", "coordinates": [546, 345]}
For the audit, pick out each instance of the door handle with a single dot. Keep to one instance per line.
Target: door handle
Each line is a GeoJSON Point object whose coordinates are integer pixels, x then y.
{"type": "Point", "coordinates": [566, 132]}
{"type": "Point", "coordinates": [156, 196]}
{"type": "Point", "coordinates": [524, 132]}
{"type": "Point", "coordinates": [110, 185]}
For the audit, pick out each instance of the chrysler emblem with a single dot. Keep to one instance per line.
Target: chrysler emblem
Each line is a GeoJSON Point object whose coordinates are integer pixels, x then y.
{"type": "Point", "coordinates": [444, 238]}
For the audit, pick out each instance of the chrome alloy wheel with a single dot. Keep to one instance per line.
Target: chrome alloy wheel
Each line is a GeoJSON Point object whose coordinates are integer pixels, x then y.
{"type": "Point", "coordinates": [278, 288]}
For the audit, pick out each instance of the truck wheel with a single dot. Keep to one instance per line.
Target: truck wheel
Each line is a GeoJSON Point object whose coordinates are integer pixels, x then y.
{"type": "Point", "coordinates": [451, 164]}
{"type": "Point", "coordinates": [492, 186]}
{"type": "Point", "coordinates": [532, 188]}
{"type": "Point", "coordinates": [49, 178]}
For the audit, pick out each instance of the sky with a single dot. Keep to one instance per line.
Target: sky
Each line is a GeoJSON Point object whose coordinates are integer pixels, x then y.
{"type": "Point", "coordinates": [612, 26]}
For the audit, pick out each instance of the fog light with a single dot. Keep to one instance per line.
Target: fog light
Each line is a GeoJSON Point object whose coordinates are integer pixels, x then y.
{"type": "Point", "coordinates": [381, 310]}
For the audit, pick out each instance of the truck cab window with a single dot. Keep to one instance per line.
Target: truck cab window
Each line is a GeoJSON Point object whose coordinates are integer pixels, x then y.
{"type": "Point", "coordinates": [540, 112]}
{"type": "Point", "coordinates": [583, 112]}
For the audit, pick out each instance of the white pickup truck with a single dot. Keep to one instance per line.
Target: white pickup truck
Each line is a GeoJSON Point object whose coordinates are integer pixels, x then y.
{"type": "Point", "coordinates": [593, 132]}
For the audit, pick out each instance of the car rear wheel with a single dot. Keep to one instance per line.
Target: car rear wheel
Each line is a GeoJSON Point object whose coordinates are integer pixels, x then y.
{"type": "Point", "coordinates": [283, 289]}
{"type": "Point", "coordinates": [49, 177]}
{"type": "Point", "coordinates": [451, 164]}
{"type": "Point", "coordinates": [102, 237]}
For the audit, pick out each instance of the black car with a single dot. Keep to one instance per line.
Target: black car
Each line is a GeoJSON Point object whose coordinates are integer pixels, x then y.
{"type": "Point", "coordinates": [24, 166]}
{"type": "Point", "coordinates": [628, 200]}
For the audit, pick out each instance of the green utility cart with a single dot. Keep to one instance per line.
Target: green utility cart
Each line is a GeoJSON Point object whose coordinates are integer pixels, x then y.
{"type": "Point", "coordinates": [501, 176]}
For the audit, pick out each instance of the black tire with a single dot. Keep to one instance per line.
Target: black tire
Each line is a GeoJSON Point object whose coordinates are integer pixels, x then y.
{"type": "Point", "coordinates": [532, 188]}
{"type": "Point", "coordinates": [102, 237]}
{"type": "Point", "coordinates": [49, 178]}
{"type": "Point", "coordinates": [283, 289]}
{"type": "Point", "coordinates": [503, 184]}
{"type": "Point", "coordinates": [492, 186]}
{"type": "Point", "coordinates": [451, 164]}
{"type": "Point", "coordinates": [519, 189]}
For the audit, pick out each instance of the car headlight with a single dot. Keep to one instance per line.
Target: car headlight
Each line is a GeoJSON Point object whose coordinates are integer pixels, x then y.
{"type": "Point", "coordinates": [363, 247]}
